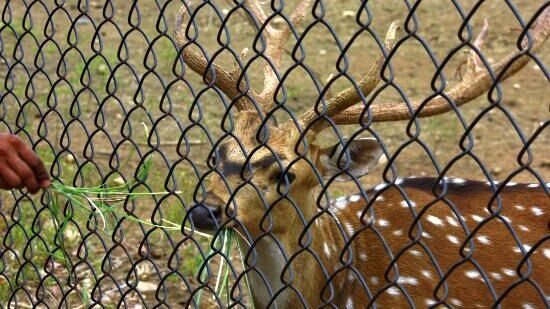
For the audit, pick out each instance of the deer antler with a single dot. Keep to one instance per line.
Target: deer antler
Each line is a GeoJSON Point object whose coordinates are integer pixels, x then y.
{"type": "Point", "coordinates": [227, 81]}
{"type": "Point", "coordinates": [211, 72]}
{"type": "Point", "coordinates": [472, 62]}
{"type": "Point", "coordinates": [275, 43]}
{"type": "Point", "coordinates": [464, 92]}
{"type": "Point", "coordinates": [350, 96]}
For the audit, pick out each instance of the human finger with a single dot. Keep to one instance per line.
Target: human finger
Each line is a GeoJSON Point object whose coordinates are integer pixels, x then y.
{"type": "Point", "coordinates": [36, 165]}
{"type": "Point", "coordinates": [25, 173]}
{"type": "Point", "coordinates": [11, 178]}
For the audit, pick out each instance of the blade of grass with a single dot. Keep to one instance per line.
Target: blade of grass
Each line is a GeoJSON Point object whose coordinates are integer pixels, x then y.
{"type": "Point", "coordinates": [241, 255]}
{"type": "Point", "coordinates": [60, 230]}
{"type": "Point", "coordinates": [202, 275]}
{"type": "Point", "coordinates": [228, 245]}
{"type": "Point", "coordinates": [119, 194]}
{"type": "Point", "coordinates": [222, 260]}
{"type": "Point", "coordinates": [97, 210]}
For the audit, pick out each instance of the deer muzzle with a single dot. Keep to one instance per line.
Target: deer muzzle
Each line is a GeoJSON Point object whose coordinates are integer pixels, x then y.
{"type": "Point", "coordinates": [206, 217]}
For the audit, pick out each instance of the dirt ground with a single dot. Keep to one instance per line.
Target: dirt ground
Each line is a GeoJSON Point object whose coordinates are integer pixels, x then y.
{"type": "Point", "coordinates": [108, 87]}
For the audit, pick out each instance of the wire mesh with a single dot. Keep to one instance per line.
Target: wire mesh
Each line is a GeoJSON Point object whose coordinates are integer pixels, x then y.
{"type": "Point", "coordinates": [246, 115]}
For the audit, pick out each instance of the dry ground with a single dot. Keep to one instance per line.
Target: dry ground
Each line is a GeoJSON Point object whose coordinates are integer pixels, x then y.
{"type": "Point", "coordinates": [149, 96]}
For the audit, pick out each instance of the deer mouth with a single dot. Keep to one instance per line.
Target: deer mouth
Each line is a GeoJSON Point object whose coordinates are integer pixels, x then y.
{"type": "Point", "coordinates": [206, 217]}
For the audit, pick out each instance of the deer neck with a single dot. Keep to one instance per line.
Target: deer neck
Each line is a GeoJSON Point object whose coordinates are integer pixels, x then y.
{"type": "Point", "coordinates": [271, 253]}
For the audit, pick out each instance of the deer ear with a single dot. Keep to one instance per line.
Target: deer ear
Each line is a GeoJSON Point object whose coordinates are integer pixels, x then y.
{"type": "Point", "coordinates": [363, 153]}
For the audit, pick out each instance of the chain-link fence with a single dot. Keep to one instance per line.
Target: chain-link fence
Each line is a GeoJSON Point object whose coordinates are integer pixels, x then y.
{"type": "Point", "coordinates": [278, 154]}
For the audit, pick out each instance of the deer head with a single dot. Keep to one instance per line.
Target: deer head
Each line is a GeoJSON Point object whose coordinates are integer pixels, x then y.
{"type": "Point", "coordinates": [269, 170]}
{"type": "Point", "coordinates": [268, 163]}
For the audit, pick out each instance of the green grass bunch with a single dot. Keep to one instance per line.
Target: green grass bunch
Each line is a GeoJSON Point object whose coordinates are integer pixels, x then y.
{"type": "Point", "coordinates": [107, 202]}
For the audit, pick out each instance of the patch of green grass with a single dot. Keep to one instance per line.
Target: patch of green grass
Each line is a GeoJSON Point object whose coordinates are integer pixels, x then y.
{"type": "Point", "coordinates": [104, 201]}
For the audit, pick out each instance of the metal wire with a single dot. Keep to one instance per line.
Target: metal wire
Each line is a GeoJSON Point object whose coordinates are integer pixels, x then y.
{"type": "Point", "coordinates": [99, 88]}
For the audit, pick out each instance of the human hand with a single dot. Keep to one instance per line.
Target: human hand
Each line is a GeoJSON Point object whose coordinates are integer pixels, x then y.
{"type": "Point", "coordinates": [20, 166]}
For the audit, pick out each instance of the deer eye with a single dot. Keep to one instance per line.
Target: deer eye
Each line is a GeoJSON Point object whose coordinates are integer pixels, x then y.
{"type": "Point", "coordinates": [213, 161]}
{"type": "Point", "coordinates": [279, 176]}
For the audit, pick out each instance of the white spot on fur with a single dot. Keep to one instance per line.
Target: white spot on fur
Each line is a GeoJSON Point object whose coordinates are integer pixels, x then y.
{"type": "Point", "coordinates": [452, 221]}
{"type": "Point", "coordinates": [393, 291]}
{"type": "Point", "coordinates": [525, 247]}
{"type": "Point", "coordinates": [327, 250]}
{"type": "Point", "coordinates": [477, 218]}
{"type": "Point", "coordinates": [430, 302]}
{"type": "Point", "coordinates": [415, 252]}
{"type": "Point", "coordinates": [349, 303]}
{"type": "Point", "coordinates": [349, 227]}
{"type": "Point", "coordinates": [368, 220]}
{"type": "Point", "coordinates": [508, 272]}
{"type": "Point", "coordinates": [456, 302]}
{"type": "Point", "coordinates": [383, 222]}
{"type": "Point", "coordinates": [506, 219]}
{"type": "Point", "coordinates": [472, 274]}
{"type": "Point", "coordinates": [397, 232]}
{"type": "Point", "coordinates": [459, 181]}
{"type": "Point", "coordinates": [484, 239]}
{"type": "Point", "coordinates": [380, 187]}
{"type": "Point", "coordinates": [341, 202]}
{"type": "Point", "coordinates": [374, 280]}
{"type": "Point", "coordinates": [537, 211]}
{"type": "Point", "coordinates": [405, 205]}
{"type": "Point", "coordinates": [546, 253]}
{"type": "Point", "coordinates": [497, 276]}
{"type": "Point", "coordinates": [434, 220]}
{"type": "Point", "coordinates": [520, 207]}
{"type": "Point", "coordinates": [426, 234]}
{"type": "Point", "coordinates": [527, 306]}
{"type": "Point", "coordinates": [426, 274]}
{"type": "Point", "coordinates": [355, 198]}
{"type": "Point", "coordinates": [363, 257]}
{"type": "Point", "coordinates": [380, 198]}
{"type": "Point", "coordinates": [511, 184]}
{"type": "Point", "coordinates": [524, 228]}
{"type": "Point", "coordinates": [453, 239]}
{"type": "Point", "coordinates": [533, 185]}
{"type": "Point", "coordinates": [407, 280]}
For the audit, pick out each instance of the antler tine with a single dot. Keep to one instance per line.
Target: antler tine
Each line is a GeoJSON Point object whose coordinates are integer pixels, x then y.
{"type": "Point", "coordinates": [350, 96]}
{"type": "Point", "coordinates": [257, 11]}
{"type": "Point", "coordinates": [275, 42]}
{"type": "Point", "coordinates": [275, 49]}
{"type": "Point", "coordinates": [472, 62]}
{"type": "Point", "coordinates": [225, 81]}
{"type": "Point", "coordinates": [462, 93]}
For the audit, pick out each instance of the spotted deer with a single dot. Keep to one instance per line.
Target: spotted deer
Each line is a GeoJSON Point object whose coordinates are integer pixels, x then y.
{"type": "Point", "coordinates": [414, 242]}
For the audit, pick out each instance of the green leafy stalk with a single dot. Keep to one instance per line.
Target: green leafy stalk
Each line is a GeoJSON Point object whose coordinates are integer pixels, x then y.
{"type": "Point", "coordinates": [241, 255]}
{"type": "Point", "coordinates": [102, 200]}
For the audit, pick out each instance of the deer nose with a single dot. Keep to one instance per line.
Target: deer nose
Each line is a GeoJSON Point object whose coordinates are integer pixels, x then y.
{"type": "Point", "coordinates": [206, 217]}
